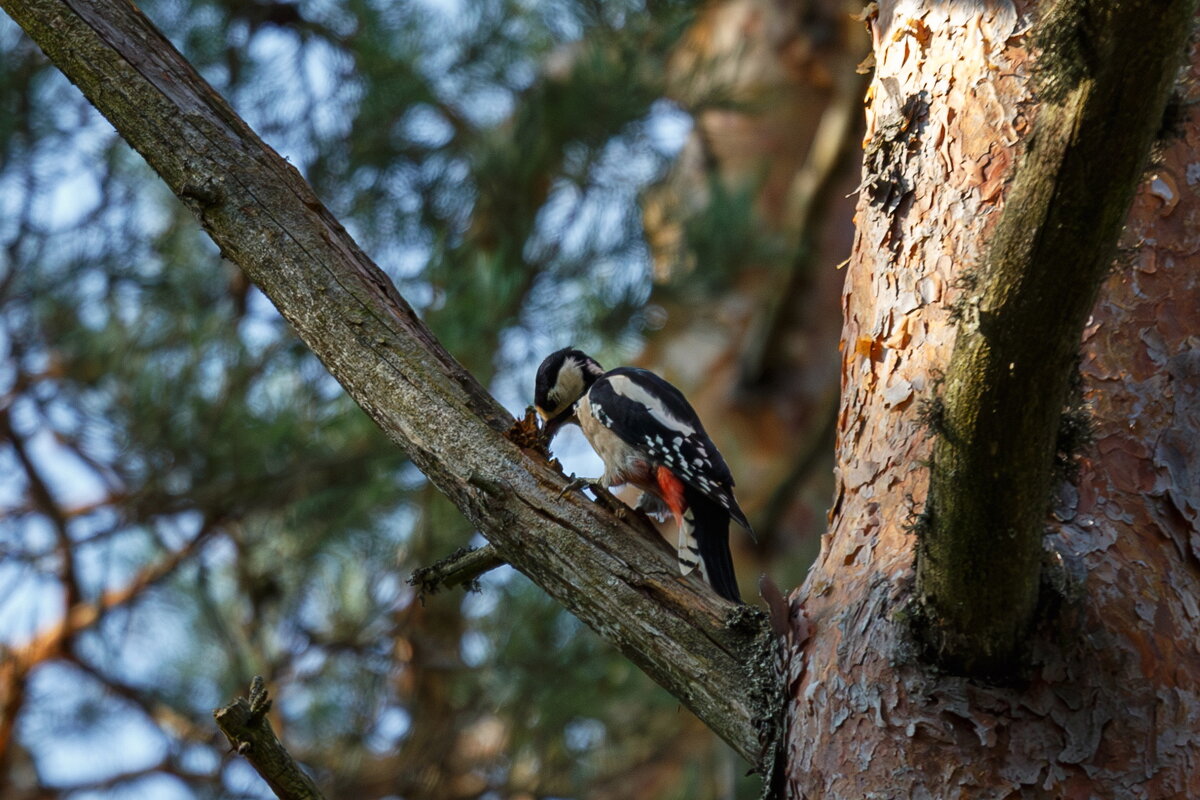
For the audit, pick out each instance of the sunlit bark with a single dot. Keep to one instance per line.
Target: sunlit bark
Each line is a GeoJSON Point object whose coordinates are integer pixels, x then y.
{"type": "Point", "coordinates": [1108, 703]}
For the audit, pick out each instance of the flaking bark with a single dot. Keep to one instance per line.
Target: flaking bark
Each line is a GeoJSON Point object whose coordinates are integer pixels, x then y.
{"type": "Point", "coordinates": [1108, 703]}
{"type": "Point", "coordinates": [266, 219]}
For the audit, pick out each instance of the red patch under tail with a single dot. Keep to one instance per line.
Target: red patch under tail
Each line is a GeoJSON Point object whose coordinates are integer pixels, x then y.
{"type": "Point", "coordinates": [670, 489]}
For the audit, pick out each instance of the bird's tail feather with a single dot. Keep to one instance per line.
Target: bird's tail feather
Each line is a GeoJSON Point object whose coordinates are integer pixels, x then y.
{"type": "Point", "coordinates": [704, 543]}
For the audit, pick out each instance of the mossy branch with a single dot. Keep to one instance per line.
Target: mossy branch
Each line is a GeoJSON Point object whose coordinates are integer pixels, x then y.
{"type": "Point", "coordinates": [266, 219]}
{"type": "Point", "coordinates": [1104, 73]}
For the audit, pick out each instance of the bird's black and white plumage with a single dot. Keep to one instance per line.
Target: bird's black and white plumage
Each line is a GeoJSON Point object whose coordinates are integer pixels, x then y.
{"type": "Point", "coordinates": [648, 435]}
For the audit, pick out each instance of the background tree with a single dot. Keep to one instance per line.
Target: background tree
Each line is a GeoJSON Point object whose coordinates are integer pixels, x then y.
{"type": "Point", "coordinates": [864, 705]}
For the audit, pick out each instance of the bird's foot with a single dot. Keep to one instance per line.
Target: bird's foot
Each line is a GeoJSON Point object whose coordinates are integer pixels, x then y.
{"type": "Point", "coordinates": [576, 483]}
{"type": "Point", "coordinates": [609, 501]}
{"type": "Point", "coordinates": [603, 496]}
{"type": "Point", "coordinates": [653, 507]}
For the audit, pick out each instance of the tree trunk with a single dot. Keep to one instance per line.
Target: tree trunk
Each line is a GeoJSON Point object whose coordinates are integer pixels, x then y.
{"type": "Point", "coordinates": [1107, 703]}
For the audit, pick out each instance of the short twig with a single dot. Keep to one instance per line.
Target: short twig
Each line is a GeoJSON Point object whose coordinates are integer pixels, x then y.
{"type": "Point", "coordinates": [245, 725]}
{"type": "Point", "coordinates": [462, 567]}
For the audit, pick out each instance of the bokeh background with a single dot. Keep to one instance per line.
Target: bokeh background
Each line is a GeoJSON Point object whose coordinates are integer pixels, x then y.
{"type": "Point", "coordinates": [187, 499]}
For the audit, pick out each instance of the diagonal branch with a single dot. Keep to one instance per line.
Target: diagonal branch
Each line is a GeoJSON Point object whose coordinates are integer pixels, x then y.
{"type": "Point", "coordinates": [266, 219]}
{"type": "Point", "coordinates": [1104, 74]}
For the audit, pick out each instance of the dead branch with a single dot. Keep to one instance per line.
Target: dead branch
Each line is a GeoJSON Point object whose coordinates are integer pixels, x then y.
{"type": "Point", "coordinates": [460, 568]}
{"type": "Point", "coordinates": [244, 722]}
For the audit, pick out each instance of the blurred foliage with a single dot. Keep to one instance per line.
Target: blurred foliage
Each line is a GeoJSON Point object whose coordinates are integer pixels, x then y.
{"type": "Point", "coordinates": [489, 155]}
{"type": "Point", "coordinates": [726, 237]}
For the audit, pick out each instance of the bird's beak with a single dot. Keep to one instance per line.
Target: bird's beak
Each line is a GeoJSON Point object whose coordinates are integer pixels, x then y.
{"type": "Point", "coordinates": [552, 424]}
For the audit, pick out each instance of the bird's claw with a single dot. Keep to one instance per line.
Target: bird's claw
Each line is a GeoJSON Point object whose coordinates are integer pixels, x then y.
{"type": "Point", "coordinates": [606, 499]}
{"type": "Point", "coordinates": [574, 484]}
{"type": "Point", "coordinates": [654, 508]}
{"type": "Point", "coordinates": [603, 496]}
{"type": "Point", "coordinates": [619, 510]}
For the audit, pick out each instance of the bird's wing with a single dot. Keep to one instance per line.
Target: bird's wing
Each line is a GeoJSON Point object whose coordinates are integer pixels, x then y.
{"type": "Point", "coordinates": [649, 413]}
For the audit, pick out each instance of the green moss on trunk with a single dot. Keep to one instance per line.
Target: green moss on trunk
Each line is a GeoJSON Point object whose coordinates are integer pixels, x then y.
{"type": "Point", "coordinates": [1105, 73]}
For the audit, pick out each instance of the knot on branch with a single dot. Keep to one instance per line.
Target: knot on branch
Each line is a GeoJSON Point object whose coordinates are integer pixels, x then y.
{"type": "Point", "coordinates": [204, 192]}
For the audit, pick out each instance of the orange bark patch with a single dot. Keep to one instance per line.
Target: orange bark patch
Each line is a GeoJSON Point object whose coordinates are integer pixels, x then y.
{"type": "Point", "coordinates": [869, 347]}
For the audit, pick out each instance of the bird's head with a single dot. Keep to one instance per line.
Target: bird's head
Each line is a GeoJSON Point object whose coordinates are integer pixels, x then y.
{"type": "Point", "coordinates": [562, 379]}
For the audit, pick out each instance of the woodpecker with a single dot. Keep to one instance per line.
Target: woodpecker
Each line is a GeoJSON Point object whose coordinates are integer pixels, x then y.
{"type": "Point", "coordinates": [649, 436]}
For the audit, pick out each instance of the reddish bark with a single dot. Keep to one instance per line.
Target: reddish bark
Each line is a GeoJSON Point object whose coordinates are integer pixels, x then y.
{"type": "Point", "coordinates": [1110, 706]}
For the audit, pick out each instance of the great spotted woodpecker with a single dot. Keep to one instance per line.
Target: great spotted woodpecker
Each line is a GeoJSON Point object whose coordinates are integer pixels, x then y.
{"type": "Point", "coordinates": [649, 436]}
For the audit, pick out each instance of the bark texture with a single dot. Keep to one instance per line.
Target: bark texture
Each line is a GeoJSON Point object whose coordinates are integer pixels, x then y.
{"type": "Point", "coordinates": [1110, 704]}
{"type": "Point", "coordinates": [619, 580]}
